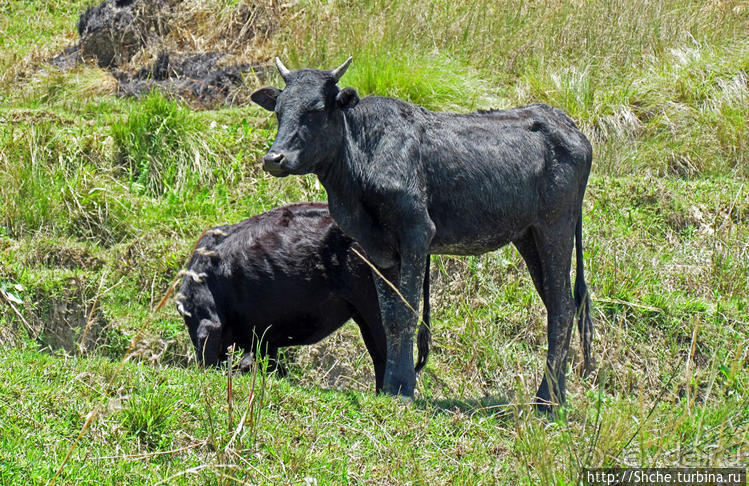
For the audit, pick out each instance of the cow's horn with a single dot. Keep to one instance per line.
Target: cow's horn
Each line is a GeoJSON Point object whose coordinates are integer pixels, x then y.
{"type": "Point", "coordinates": [282, 69]}
{"type": "Point", "coordinates": [340, 70]}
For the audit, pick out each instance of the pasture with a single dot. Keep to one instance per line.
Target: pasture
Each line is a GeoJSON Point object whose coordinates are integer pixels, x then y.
{"type": "Point", "coordinates": [102, 198]}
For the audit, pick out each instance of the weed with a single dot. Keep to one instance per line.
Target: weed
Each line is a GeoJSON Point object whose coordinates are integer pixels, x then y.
{"type": "Point", "coordinates": [149, 415]}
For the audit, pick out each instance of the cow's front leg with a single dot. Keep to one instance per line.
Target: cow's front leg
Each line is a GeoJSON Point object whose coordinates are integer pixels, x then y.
{"type": "Point", "coordinates": [400, 318]}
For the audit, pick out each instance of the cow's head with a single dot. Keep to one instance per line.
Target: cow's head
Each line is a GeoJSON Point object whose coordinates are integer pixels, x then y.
{"type": "Point", "coordinates": [309, 111]}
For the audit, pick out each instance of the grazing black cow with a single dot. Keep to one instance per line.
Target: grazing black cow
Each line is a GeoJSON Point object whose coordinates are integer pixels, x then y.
{"type": "Point", "coordinates": [287, 277]}
{"type": "Point", "coordinates": [406, 182]}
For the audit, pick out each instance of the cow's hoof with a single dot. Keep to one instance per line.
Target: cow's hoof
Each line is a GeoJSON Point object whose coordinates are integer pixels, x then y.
{"type": "Point", "coordinates": [406, 401]}
{"type": "Point", "coordinates": [398, 388]}
{"type": "Point", "coordinates": [588, 368]}
{"type": "Point", "coordinates": [543, 406]}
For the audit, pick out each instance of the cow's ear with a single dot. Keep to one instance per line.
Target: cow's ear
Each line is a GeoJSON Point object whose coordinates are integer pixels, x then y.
{"type": "Point", "coordinates": [266, 97]}
{"type": "Point", "coordinates": [347, 98]}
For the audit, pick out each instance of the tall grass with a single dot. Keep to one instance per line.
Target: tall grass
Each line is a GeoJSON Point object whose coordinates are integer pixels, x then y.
{"type": "Point", "coordinates": [161, 146]}
{"type": "Point", "coordinates": [509, 39]}
{"type": "Point", "coordinates": [149, 415]}
{"type": "Point", "coordinates": [49, 173]}
{"type": "Point", "coordinates": [431, 80]}
{"type": "Point", "coordinates": [625, 71]}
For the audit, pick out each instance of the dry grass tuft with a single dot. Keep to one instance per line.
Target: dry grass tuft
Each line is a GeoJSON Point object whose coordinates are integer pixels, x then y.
{"type": "Point", "coordinates": [242, 31]}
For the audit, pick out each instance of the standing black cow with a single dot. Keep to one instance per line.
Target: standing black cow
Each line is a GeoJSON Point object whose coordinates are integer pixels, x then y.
{"type": "Point", "coordinates": [288, 276]}
{"type": "Point", "coordinates": [405, 182]}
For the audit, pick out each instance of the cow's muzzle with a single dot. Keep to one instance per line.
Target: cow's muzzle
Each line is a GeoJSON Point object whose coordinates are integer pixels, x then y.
{"type": "Point", "coordinates": [272, 164]}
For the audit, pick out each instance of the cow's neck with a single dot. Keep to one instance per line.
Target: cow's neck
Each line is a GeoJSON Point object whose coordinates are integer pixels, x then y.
{"type": "Point", "coordinates": [346, 180]}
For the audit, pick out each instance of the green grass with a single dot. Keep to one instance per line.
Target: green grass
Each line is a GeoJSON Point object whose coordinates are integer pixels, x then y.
{"type": "Point", "coordinates": [102, 198]}
{"type": "Point", "coordinates": [434, 81]}
{"type": "Point", "coordinates": [334, 436]}
{"type": "Point", "coordinates": [153, 143]}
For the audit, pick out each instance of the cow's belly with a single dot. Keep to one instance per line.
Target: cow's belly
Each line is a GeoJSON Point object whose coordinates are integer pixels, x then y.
{"type": "Point", "coordinates": [475, 247]}
{"type": "Point", "coordinates": [465, 229]}
{"type": "Point", "coordinates": [479, 214]}
{"type": "Point", "coordinates": [468, 241]}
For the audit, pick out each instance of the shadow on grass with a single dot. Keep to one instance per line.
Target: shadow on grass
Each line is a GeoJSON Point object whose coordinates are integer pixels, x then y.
{"type": "Point", "coordinates": [489, 406]}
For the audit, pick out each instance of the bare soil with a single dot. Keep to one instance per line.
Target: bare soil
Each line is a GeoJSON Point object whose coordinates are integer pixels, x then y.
{"type": "Point", "coordinates": [168, 45]}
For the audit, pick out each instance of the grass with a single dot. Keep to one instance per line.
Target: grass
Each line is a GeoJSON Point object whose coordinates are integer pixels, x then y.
{"type": "Point", "coordinates": [157, 146]}
{"type": "Point", "coordinates": [335, 436]}
{"type": "Point", "coordinates": [103, 197]}
{"type": "Point", "coordinates": [637, 78]}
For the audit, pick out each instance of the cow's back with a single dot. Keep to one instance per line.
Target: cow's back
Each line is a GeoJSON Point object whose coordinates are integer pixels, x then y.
{"type": "Point", "coordinates": [518, 164]}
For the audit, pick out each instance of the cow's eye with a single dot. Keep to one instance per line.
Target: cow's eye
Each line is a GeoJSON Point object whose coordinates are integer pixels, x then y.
{"type": "Point", "coordinates": [317, 107]}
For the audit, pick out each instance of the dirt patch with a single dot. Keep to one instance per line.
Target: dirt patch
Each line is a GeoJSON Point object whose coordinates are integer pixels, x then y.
{"type": "Point", "coordinates": [195, 50]}
{"type": "Point", "coordinates": [156, 350]}
{"type": "Point", "coordinates": [114, 31]}
{"type": "Point", "coordinates": [338, 362]}
{"type": "Point", "coordinates": [70, 320]}
{"type": "Point", "coordinates": [71, 326]}
{"type": "Point", "coordinates": [71, 257]}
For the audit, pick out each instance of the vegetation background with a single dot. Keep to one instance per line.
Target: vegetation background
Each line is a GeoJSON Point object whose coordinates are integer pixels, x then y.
{"type": "Point", "coordinates": [102, 198]}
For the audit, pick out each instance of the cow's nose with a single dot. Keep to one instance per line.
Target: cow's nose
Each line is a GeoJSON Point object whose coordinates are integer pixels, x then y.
{"type": "Point", "coordinates": [272, 164]}
{"type": "Point", "coordinates": [273, 158]}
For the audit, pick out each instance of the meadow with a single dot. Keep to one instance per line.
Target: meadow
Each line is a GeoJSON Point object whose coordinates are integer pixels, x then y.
{"type": "Point", "coordinates": [102, 198]}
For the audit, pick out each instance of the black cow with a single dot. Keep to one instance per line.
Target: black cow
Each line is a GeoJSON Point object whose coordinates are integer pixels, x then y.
{"type": "Point", "coordinates": [286, 277]}
{"type": "Point", "coordinates": [406, 182]}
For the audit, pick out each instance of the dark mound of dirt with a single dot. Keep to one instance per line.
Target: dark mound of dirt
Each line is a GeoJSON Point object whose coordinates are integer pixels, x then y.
{"type": "Point", "coordinates": [115, 30]}
{"type": "Point", "coordinates": [191, 76]}
{"type": "Point", "coordinates": [123, 35]}
{"type": "Point", "coordinates": [68, 58]}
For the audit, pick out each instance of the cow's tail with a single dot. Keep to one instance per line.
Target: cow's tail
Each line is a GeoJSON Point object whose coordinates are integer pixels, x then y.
{"type": "Point", "coordinates": [582, 300]}
{"type": "Point", "coordinates": [424, 337]}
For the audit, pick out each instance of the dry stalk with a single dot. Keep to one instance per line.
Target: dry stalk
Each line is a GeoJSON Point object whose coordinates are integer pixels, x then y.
{"type": "Point", "coordinates": [630, 304]}
{"type": "Point", "coordinates": [390, 284]}
{"type": "Point", "coordinates": [90, 318]}
{"type": "Point", "coordinates": [32, 333]}
{"type": "Point", "coordinates": [229, 387]}
{"type": "Point", "coordinates": [690, 356]}
{"type": "Point", "coordinates": [138, 457]}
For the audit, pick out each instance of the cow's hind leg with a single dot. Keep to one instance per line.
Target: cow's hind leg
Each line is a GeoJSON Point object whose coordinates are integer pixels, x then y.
{"type": "Point", "coordinates": [554, 245]}
{"type": "Point", "coordinates": [526, 245]}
